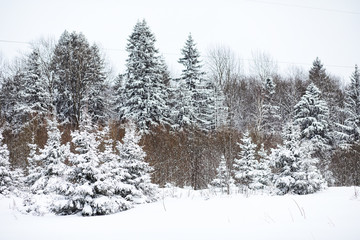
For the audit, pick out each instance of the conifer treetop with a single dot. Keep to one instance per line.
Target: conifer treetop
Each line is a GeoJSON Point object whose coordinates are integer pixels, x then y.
{"type": "Point", "coordinates": [190, 60]}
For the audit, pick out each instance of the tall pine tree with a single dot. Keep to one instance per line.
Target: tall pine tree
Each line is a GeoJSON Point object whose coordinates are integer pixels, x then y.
{"type": "Point", "coordinates": [330, 91]}
{"type": "Point", "coordinates": [34, 98]}
{"type": "Point", "coordinates": [145, 91]}
{"type": "Point", "coordinates": [311, 114]}
{"type": "Point", "coordinates": [196, 94]}
{"type": "Point", "coordinates": [351, 126]}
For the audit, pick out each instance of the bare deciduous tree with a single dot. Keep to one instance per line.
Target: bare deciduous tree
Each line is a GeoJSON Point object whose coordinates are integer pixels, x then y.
{"type": "Point", "coordinates": [223, 65]}
{"type": "Point", "coordinates": [263, 65]}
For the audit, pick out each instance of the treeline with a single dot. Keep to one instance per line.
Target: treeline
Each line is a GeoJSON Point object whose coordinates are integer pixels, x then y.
{"type": "Point", "coordinates": [188, 124]}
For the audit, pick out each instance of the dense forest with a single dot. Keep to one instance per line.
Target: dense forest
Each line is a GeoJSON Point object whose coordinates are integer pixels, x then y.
{"type": "Point", "coordinates": [69, 128]}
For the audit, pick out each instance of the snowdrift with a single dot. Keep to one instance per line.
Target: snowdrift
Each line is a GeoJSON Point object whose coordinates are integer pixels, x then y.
{"type": "Point", "coordinates": [186, 214]}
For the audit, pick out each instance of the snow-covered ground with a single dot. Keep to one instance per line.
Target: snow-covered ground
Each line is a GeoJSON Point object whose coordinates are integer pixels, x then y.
{"type": "Point", "coordinates": [186, 214]}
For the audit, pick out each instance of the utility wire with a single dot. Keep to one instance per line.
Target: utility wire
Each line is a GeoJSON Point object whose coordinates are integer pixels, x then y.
{"type": "Point", "coordinates": [305, 7]}
{"type": "Point", "coordinates": [206, 56]}
{"type": "Point", "coordinates": [11, 41]}
{"type": "Point", "coordinates": [245, 59]}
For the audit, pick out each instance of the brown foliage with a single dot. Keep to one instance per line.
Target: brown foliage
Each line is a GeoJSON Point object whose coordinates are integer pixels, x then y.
{"type": "Point", "coordinates": [17, 141]}
{"type": "Point", "coordinates": [187, 158]}
{"type": "Point", "coordinates": [345, 165]}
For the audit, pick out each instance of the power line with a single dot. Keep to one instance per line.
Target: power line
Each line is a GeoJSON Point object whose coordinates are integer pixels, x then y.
{"type": "Point", "coordinates": [205, 56]}
{"type": "Point", "coordinates": [305, 7]}
{"type": "Point", "coordinates": [300, 63]}
{"type": "Point", "coordinates": [11, 41]}
{"type": "Point", "coordinates": [246, 59]}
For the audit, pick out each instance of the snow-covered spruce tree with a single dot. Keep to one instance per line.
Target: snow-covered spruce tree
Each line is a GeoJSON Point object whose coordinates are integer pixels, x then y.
{"type": "Point", "coordinates": [223, 179]}
{"type": "Point", "coordinates": [9, 97]}
{"type": "Point", "coordinates": [100, 180]}
{"type": "Point", "coordinates": [263, 175]}
{"type": "Point", "coordinates": [118, 97]}
{"type": "Point", "coordinates": [196, 99]}
{"type": "Point", "coordinates": [295, 168]}
{"type": "Point", "coordinates": [317, 74]}
{"type": "Point", "coordinates": [145, 92]}
{"type": "Point", "coordinates": [87, 195]}
{"type": "Point", "coordinates": [84, 171]}
{"type": "Point", "coordinates": [132, 158]}
{"type": "Point", "coordinates": [47, 171]}
{"type": "Point", "coordinates": [244, 166]}
{"type": "Point", "coordinates": [37, 88]}
{"type": "Point", "coordinates": [311, 114]}
{"type": "Point", "coordinates": [351, 126]}
{"type": "Point", "coordinates": [330, 90]}
{"type": "Point", "coordinates": [51, 178]}
{"type": "Point", "coordinates": [189, 84]}
{"type": "Point", "coordinates": [33, 168]}
{"type": "Point", "coordinates": [111, 180]}
{"type": "Point", "coordinates": [166, 80]}
{"type": "Point", "coordinates": [308, 178]}
{"type": "Point", "coordinates": [26, 88]}
{"type": "Point", "coordinates": [183, 114]}
{"type": "Point", "coordinates": [7, 176]}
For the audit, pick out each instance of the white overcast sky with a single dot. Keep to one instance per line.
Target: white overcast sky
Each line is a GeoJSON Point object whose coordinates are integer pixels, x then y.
{"type": "Point", "coordinates": [293, 31]}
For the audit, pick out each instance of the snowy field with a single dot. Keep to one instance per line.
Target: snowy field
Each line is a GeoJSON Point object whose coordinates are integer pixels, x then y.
{"type": "Point", "coordinates": [186, 214]}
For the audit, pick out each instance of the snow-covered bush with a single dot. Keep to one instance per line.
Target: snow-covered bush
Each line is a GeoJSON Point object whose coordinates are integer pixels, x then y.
{"type": "Point", "coordinates": [311, 114]}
